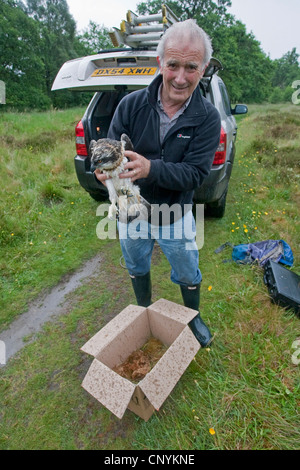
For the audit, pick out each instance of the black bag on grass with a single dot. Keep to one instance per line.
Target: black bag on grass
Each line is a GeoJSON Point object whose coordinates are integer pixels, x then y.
{"type": "Point", "coordinates": [283, 286]}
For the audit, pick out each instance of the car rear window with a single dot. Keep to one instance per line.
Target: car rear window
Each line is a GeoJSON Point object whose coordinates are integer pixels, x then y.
{"type": "Point", "coordinates": [225, 99]}
{"type": "Point", "coordinates": [104, 111]}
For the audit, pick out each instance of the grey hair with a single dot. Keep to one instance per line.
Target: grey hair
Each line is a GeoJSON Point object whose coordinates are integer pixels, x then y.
{"type": "Point", "coordinates": [187, 28]}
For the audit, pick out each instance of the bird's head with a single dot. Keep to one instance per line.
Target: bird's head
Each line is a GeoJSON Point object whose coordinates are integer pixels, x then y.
{"type": "Point", "coordinates": [107, 154]}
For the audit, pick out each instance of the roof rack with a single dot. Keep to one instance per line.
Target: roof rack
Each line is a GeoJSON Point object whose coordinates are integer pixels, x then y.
{"type": "Point", "coordinates": [143, 31]}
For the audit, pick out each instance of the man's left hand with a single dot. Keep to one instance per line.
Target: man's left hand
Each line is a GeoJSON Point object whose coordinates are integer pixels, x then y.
{"type": "Point", "coordinates": [138, 166]}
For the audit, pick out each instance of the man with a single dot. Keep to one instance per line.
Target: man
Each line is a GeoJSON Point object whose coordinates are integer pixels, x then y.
{"type": "Point", "coordinates": [175, 133]}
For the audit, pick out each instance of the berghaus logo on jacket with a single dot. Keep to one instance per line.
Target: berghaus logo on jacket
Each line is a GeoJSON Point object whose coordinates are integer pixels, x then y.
{"type": "Point", "coordinates": [181, 136]}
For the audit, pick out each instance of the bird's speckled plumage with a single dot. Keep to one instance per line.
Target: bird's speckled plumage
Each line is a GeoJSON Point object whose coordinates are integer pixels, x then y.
{"type": "Point", "coordinates": [126, 201]}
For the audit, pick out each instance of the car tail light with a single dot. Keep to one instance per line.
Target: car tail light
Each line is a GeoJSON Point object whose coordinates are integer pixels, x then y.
{"type": "Point", "coordinates": [220, 155]}
{"type": "Point", "coordinates": [81, 148]}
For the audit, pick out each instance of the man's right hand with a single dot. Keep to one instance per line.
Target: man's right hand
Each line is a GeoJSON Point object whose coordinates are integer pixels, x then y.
{"type": "Point", "coordinates": [100, 176]}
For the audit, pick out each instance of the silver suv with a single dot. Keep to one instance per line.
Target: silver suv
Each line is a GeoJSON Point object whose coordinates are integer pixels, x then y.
{"type": "Point", "coordinates": [114, 73]}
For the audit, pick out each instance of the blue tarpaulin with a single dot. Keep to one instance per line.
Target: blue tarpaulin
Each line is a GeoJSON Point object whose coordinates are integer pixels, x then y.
{"type": "Point", "coordinates": [260, 252]}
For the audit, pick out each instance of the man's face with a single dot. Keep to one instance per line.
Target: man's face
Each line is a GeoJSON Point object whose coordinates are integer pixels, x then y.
{"type": "Point", "coordinates": [182, 69]}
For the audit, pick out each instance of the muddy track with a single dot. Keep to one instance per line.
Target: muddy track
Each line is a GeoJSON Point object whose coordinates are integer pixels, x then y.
{"type": "Point", "coordinates": [46, 307]}
{"type": "Point", "coordinates": [58, 301]}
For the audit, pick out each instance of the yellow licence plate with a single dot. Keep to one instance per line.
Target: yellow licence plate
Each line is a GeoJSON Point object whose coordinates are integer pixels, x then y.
{"type": "Point", "coordinates": [124, 71]}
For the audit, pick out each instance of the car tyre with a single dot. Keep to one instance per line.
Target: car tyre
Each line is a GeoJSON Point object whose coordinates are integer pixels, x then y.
{"type": "Point", "coordinates": [217, 209]}
{"type": "Point", "coordinates": [97, 196]}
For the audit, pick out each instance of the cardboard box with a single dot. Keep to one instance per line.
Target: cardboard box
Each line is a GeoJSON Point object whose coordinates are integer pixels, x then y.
{"type": "Point", "coordinates": [127, 332]}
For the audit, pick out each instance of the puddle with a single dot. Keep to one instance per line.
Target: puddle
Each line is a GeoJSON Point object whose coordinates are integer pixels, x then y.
{"type": "Point", "coordinates": [45, 308]}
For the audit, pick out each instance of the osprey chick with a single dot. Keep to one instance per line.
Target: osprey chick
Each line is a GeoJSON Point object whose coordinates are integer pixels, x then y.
{"type": "Point", "coordinates": [126, 200]}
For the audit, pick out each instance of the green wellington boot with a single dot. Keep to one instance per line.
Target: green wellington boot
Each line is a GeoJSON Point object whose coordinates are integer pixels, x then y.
{"type": "Point", "coordinates": [142, 289]}
{"type": "Point", "coordinates": [191, 299]}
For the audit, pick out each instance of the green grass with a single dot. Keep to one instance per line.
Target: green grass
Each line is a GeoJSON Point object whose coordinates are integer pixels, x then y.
{"type": "Point", "coordinates": [245, 387]}
{"type": "Point", "coordinates": [47, 224]}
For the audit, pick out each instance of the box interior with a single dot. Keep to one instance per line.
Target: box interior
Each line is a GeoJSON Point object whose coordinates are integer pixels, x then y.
{"type": "Point", "coordinates": [134, 336]}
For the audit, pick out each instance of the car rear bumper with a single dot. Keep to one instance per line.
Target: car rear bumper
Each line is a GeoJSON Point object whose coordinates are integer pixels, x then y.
{"type": "Point", "coordinates": [86, 178]}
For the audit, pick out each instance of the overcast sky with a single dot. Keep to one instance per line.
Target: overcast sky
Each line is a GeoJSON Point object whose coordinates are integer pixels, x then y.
{"type": "Point", "coordinates": [274, 23]}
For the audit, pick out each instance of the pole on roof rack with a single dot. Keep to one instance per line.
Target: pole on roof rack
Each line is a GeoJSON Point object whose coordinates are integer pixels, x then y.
{"type": "Point", "coordinates": [140, 31]}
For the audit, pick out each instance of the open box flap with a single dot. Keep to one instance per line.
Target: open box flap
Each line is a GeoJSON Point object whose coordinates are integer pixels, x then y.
{"type": "Point", "coordinates": [164, 328]}
{"type": "Point", "coordinates": [174, 311]}
{"type": "Point", "coordinates": [112, 329]}
{"type": "Point", "coordinates": [131, 338]}
{"type": "Point", "coordinates": [161, 380]}
{"type": "Point", "coordinates": [108, 387]}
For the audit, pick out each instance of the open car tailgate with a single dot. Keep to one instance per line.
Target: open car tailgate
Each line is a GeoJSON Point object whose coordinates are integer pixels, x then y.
{"type": "Point", "coordinates": [105, 71]}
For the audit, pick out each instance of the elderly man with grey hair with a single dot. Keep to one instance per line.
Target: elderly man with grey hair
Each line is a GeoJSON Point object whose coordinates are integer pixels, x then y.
{"type": "Point", "coordinates": [175, 132]}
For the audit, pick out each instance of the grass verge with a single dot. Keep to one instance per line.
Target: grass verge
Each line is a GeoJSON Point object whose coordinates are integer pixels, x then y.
{"type": "Point", "coordinates": [46, 219]}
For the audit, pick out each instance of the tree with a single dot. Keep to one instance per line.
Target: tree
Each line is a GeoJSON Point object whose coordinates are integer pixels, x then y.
{"type": "Point", "coordinates": [93, 39]}
{"type": "Point", "coordinates": [57, 30]}
{"type": "Point", "coordinates": [286, 69]}
{"type": "Point", "coordinates": [207, 13]}
{"type": "Point", "coordinates": [21, 67]}
{"type": "Point", "coordinates": [247, 69]}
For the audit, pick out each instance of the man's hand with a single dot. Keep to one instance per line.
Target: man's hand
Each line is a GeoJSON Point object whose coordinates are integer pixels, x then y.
{"type": "Point", "coordinates": [100, 176]}
{"type": "Point", "coordinates": [138, 166]}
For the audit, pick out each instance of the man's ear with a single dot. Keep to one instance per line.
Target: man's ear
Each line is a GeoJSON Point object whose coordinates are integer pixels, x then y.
{"type": "Point", "coordinates": [159, 63]}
